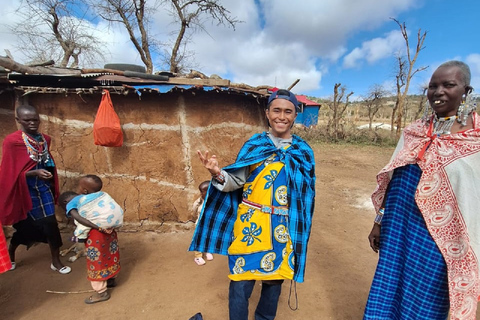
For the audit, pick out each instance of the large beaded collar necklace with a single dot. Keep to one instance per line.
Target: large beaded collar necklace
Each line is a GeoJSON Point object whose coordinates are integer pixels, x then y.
{"type": "Point", "coordinates": [443, 125]}
{"type": "Point", "coordinates": [37, 150]}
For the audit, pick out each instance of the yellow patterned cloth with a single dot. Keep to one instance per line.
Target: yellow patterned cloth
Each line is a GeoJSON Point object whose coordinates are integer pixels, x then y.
{"type": "Point", "coordinates": [262, 249]}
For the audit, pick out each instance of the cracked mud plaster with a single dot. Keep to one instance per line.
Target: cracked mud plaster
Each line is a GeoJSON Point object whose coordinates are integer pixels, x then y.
{"type": "Point", "coordinates": [155, 174]}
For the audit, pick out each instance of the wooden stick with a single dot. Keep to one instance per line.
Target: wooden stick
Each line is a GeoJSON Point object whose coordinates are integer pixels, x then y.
{"type": "Point", "coordinates": [67, 292]}
{"type": "Point", "coordinates": [293, 84]}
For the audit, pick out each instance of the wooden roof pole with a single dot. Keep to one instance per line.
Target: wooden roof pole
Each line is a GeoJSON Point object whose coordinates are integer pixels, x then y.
{"type": "Point", "coordinates": [293, 84]}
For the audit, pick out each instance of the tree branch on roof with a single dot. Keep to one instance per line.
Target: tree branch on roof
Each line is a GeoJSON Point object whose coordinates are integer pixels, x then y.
{"type": "Point", "coordinates": [12, 65]}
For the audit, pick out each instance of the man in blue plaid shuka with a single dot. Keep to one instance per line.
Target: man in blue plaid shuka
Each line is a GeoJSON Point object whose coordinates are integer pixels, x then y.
{"type": "Point", "coordinates": [214, 231]}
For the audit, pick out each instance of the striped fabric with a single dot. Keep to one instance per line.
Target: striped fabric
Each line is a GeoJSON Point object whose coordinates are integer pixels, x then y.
{"type": "Point", "coordinates": [43, 203]}
{"type": "Point", "coordinates": [215, 226]}
{"type": "Point", "coordinates": [411, 277]}
{"type": "Point", "coordinates": [5, 263]}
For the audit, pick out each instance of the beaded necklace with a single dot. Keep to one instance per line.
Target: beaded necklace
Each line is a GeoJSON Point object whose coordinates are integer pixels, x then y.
{"type": "Point", "coordinates": [443, 125]}
{"type": "Point", "coordinates": [37, 150]}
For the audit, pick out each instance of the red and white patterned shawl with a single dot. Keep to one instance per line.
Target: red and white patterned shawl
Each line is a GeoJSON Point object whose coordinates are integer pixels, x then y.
{"type": "Point", "coordinates": [448, 196]}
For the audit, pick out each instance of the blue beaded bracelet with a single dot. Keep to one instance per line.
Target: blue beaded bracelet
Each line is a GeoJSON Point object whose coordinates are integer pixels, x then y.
{"type": "Point", "coordinates": [379, 217]}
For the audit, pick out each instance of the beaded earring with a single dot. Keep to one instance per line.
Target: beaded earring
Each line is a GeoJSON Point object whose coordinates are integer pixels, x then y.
{"type": "Point", "coordinates": [465, 108]}
{"type": "Point", "coordinates": [461, 111]}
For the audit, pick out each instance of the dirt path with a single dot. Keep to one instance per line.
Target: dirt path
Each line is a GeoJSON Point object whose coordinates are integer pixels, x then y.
{"type": "Point", "coordinates": [159, 279]}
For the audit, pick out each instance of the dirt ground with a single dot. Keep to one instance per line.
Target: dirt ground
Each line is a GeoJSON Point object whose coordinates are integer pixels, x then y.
{"type": "Point", "coordinates": [159, 279]}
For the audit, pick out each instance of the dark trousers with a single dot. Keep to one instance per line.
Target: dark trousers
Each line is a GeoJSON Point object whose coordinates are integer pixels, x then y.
{"type": "Point", "coordinates": [240, 292]}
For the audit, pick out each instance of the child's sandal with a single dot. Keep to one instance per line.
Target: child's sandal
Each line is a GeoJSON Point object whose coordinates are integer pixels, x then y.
{"type": "Point", "coordinates": [99, 297]}
{"type": "Point", "coordinates": [199, 261]}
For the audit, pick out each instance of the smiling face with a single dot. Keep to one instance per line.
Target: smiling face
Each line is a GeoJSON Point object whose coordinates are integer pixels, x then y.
{"type": "Point", "coordinates": [281, 115]}
{"type": "Point", "coordinates": [29, 120]}
{"type": "Point", "coordinates": [446, 90]}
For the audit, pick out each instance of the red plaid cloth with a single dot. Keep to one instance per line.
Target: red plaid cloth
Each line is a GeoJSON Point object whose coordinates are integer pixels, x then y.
{"type": "Point", "coordinates": [5, 263]}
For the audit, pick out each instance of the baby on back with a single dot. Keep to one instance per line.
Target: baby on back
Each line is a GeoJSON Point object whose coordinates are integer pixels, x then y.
{"type": "Point", "coordinates": [89, 206]}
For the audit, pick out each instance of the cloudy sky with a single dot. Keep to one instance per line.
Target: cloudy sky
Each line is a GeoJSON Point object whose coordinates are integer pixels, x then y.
{"type": "Point", "coordinates": [321, 43]}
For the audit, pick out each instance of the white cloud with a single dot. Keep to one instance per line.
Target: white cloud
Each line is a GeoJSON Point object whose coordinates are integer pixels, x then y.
{"type": "Point", "coordinates": [306, 37]}
{"type": "Point", "coordinates": [278, 42]}
{"type": "Point", "coordinates": [473, 61]}
{"type": "Point", "coordinates": [8, 39]}
{"type": "Point", "coordinates": [375, 49]}
{"type": "Point", "coordinates": [118, 47]}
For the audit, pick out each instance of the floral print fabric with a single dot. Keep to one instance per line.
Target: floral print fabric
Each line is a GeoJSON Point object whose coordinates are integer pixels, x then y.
{"type": "Point", "coordinates": [262, 249]}
{"type": "Point", "coordinates": [103, 256]}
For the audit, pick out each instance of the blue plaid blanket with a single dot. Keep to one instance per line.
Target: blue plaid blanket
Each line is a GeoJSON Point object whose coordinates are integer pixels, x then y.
{"type": "Point", "coordinates": [411, 277]}
{"type": "Point", "coordinates": [214, 229]}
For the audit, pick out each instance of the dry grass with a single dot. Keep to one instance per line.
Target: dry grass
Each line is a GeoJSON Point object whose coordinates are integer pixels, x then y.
{"type": "Point", "coordinates": [350, 134]}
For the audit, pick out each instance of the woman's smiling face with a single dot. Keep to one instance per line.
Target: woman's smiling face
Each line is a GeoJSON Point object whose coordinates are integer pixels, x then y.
{"type": "Point", "coordinates": [446, 90]}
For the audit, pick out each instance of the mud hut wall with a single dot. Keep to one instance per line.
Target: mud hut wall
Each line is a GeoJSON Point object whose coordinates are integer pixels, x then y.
{"type": "Point", "coordinates": [155, 174]}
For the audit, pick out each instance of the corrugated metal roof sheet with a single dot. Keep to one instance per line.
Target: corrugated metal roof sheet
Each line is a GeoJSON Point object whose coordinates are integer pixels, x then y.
{"type": "Point", "coordinates": [303, 99]}
{"type": "Point", "coordinates": [94, 82]}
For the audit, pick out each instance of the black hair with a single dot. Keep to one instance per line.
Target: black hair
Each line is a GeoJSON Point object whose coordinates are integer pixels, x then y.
{"type": "Point", "coordinates": [64, 196]}
{"type": "Point", "coordinates": [25, 107]}
{"type": "Point", "coordinates": [203, 184]}
{"type": "Point", "coordinates": [95, 179]}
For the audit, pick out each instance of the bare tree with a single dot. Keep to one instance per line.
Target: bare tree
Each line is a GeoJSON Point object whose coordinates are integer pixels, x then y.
{"type": "Point", "coordinates": [191, 14]}
{"type": "Point", "coordinates": [421, 102]}
{"type": "Point", "coordinates": [405, 74]}
{"type": "Point", "coordinates": [373, 102]}
{"type": "Point", "coordinates": [337, 109]}
{"type": "Point", "coordinates": [55, 29]}
{"type": "Point", "coordinates": [134, 15]}
{"type": "Point", "coordinates": [399, 84]}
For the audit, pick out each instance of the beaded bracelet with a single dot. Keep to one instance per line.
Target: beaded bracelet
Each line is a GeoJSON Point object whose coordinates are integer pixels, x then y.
{"type": "Point", "coordinates": [103, 230]}
{"type": "Point", "coordinates": [379, 217]}
{"type": "Point", "coordinates": [219, 177]}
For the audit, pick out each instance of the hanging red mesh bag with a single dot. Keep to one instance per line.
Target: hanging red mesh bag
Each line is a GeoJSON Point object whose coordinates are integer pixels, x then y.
{"type": "Point", "coordinates": [107, 131]}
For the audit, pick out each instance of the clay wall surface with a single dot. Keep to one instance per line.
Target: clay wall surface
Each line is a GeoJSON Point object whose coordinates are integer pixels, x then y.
{"type": "Point", "coordinates": [155, 174]}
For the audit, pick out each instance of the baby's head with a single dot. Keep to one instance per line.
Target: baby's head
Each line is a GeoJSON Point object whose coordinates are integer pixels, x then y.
{"type": "Point", "coordinates": [203, 187]}
{"type": "Point", "coordinates": [65, 198]}
{"type": "Point", "coordinates": [89, 184]}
